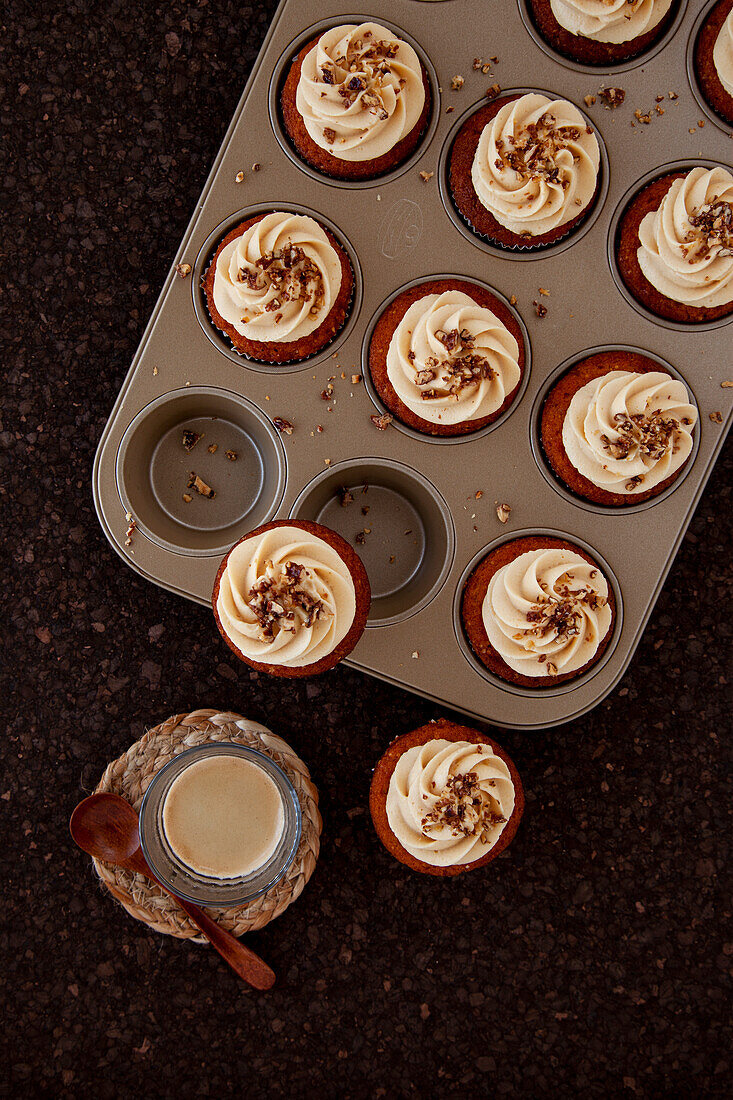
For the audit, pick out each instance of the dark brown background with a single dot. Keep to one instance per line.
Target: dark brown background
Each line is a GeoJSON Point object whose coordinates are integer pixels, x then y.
{"type": "Point", "coordinates": [588, 961]}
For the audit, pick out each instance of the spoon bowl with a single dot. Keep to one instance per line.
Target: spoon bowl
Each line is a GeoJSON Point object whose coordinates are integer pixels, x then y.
{"type": "Point", "coordinates": [106, 827]}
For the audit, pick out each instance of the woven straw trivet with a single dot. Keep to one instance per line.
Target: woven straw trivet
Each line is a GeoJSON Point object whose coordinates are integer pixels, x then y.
{"type": "Point", "coordinates": [130, 776]}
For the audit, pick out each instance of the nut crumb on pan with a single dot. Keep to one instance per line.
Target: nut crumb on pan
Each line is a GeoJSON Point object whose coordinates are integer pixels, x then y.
{"type": "Point", "coordinates": [189, 439]}
{"type": "Point", "coordinates": [611, 97]}
{"type": "Point", "coordinates": [239, 178]}
{"type": "Point", "coordinates": [545, 292]}
{"type": "Point", "coordinates": [449, 110]}
{"type": "Point", "coordinates": [727, 385]}
{"type": "Point", "coordinates": [283, 425]}
{"type": "Point", "coordinates": [540, 309]}
{"type": "Point", "coordinates": [355, 379]}
{"type": "Point", "coordinates": [415, 655]}
{"type": "Point", "coordinates": [327, 393]}
{"type": "Point", "coordinates": [502, 511]}
{"type": "Point", "coordinates": [256, 166]}
{"type": "Point", "coordinates": [457, 83]}
{"type": "Point", "coordinates": [513, 300]}
{"type": "Point", "coordinates": [589, 100]}
{"type": "Point", "coordinates": [492, 92]}
{"type": "Point", "coordinates": [365, 509]}
{"type": "Point", "coordinates": [425, 176]}
{"type": "Point", "coordinates": [381, 422]}
{"type": "Point", "coordinates": [131, 525]}
{"type": "Point", "coordinates": [327, 461]}
{"type": "Point", "coordinates": [345, 496]}
{"type": "Point", "coordinates": [232, 455]}
{"type": "Point", "coordinates": [155, 372]}
{"type": "Point", "coordinates": [187, 497]}
{"type": "Point", "coordinates": [392, 559]}
{"type": "Point", "coordinates": [478, 494]}
{"type": "Point", "coordinates": [197, 483]}
{"type": "Point", "coordinates": [716, 417]}
{"type": "Point", "coordinates": [360, 538]}
{"type": "Point", "coordinates": [183, 270]}
{"type": "Point", "coordinates": [212, 448]}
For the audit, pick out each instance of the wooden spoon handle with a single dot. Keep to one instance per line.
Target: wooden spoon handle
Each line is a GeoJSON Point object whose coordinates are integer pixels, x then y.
{"type": "Point", "coordinates": [250, 967]}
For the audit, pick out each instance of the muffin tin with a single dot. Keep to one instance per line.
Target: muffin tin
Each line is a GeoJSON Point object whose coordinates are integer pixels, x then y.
{"type": "Point", "coordinates": [431, 502]}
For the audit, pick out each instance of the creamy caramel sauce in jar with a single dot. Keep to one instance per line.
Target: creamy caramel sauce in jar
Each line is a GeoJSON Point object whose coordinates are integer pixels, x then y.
{"type": "Point", "coordinates": [223, 817]}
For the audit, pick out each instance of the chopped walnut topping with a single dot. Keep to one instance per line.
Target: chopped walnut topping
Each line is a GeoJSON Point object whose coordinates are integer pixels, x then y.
{"type": "Point", "coordinates": [283, 425]}
{"type": "Point", "coordinates": [285, 599]}
{"type": "Point", "coordinates": [329, 134]}
{"type": "Point", "coordinates": [289, 274]}
{"type": "Point", "coordinates": [561, 615]}
{"type": "Point", "coordinates": [461, 368]}
{"type": "Point", "coordinates": [532, 153]}
{"type": "Point", "coordinates": [711, 227]}
{"type": "Point", "coordinates": [197, 483]}
{"type": "Point", "coordinates": [382, 421]}
{"type": "Point", "coordinates": [464, 808]}
{"type": "Point", "coordinates": [649, 435]}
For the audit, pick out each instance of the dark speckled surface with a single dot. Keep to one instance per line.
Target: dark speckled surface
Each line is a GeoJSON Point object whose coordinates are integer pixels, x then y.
{"type": "Point", "coordinates": [587, 961]}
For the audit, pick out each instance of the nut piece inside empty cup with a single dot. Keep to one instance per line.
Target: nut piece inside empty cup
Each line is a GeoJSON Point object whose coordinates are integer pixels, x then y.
{"type": "Point", "coordinates": [398, 523]}
{"type": "Point", "coordinates": [198, 467]}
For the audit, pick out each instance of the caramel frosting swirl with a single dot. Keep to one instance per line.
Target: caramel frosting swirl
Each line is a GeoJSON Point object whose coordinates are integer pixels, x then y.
{"type": "Point", "coordinates": [723, 54]}
{"type": "Point", "coordinates": [451, 360]}
{"type": "Point", "coordinates": [278, 280]}
{"type": "Point", "coordinates": [686, 245]}
{"type": "Point", "coordinates": [628, 432]}
{"type": "Point", "coordinates": [360, 91]}
{"type": "Point", "coordinates": [612, 21]}
{"type": "Point", "coordinates": [536, 164]}
{"type": "Point", "coordinates": [546, 613]}
{"type": "Point", "coordinates": [286, 597]}
{"type": "Point", "coordinates": [448, 802]}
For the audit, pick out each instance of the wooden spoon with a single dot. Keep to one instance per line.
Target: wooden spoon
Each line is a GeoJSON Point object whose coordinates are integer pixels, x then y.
{"type": "Point", "coordinates": [106, 826]}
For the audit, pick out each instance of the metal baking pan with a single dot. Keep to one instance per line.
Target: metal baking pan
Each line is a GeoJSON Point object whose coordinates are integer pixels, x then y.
{"type": "Point", "coordinates": [426, 523]}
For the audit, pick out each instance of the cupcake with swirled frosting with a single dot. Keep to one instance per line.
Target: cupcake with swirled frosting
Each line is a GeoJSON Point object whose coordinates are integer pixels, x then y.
{"type": "Point", "coordinates": [447, 357]}
{"type": "Point", "coordinates": [674, 245]}
{"type": "Point", "coordinates": [617, 428]}
{"type": "Point", "coordinates": [602, 32]}
{"type": "Point", "coordinates": [524, 170]}
{"type": "Point", "coordinates": [445, 799]}
{"type": "Point", "coordinates": [291, 598]}
{"type": "Point", "coordinates": [714, 59]}
{"type": "Point", "coordinates": [279, 286]}
{"type": "Point", "coordinates": [356, 101]}
{"type": "Point", "coordinates": [537, 611]}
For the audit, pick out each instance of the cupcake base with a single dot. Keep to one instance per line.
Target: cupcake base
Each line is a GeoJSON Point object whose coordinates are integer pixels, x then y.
{"type": "Point", "coordinates": [472, 600]}
{"type": "Point", "coordinates": [292, 350]}
{"type": "Point", "coordinates": [447, 731]}
{"type": "Point", "coordinates": [556, 406]}
{"type": "Point", "coordinates": [645, 202]}
{"type": "Point", "coordinates": [326, 162]}
{"type": "Point", "coordinates": [717, 98]}
{"type": "Point", "coordinates": [361, 588]}
{"type": "Point", "coordinates": [385, 329]}
{"type": "Point", "coordinates": [467, 202]}
{"type": "Point", "coordinates": [588, 51]}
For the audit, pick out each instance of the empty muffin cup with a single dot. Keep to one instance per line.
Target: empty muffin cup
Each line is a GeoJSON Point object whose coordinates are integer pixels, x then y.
{"type": "Point", "coordinates": [398, 523]}
{"type": "Point", "coordinates": [199, 467]}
